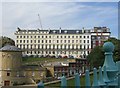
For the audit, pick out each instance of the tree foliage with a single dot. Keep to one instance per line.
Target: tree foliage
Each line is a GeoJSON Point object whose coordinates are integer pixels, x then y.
{"type": "Point", "coordinates": [5, 40]}
{"type": "Point", "coordinates": [116, 53]}
{"type": "Point", "coordinates": [96, 57]}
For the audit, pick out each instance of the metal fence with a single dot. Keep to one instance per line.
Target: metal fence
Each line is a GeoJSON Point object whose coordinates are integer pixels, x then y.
{"type": "Point", "coordinates": [107, 76]}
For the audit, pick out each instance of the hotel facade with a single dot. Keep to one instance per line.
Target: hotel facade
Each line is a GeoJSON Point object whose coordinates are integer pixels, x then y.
{"type": "Point", "coordinates": [62, 42]}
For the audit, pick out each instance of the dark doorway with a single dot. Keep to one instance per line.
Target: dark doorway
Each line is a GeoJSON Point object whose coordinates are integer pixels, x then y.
{"type": "Point", "coordinates": [7, 83]}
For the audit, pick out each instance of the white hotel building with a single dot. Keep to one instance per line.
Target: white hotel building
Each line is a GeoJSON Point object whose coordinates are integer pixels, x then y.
{"type": "Point", "coordinates": [63, 42]}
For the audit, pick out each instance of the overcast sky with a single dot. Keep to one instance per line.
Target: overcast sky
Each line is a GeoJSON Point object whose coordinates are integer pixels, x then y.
{"type": "Point", "coordinates": [58, 14]}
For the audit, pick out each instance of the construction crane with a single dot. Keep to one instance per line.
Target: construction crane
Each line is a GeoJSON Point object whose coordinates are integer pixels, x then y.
{"type": "Point", "coordinates": [40, 22]}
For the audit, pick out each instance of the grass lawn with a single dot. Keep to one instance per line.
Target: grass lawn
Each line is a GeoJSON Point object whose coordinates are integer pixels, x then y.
{"type": "Point", "coordinates": [71, 82]}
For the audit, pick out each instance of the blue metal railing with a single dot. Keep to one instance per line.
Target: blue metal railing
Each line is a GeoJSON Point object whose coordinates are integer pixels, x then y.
{"type": "Point", "coordinates": [108, 77]}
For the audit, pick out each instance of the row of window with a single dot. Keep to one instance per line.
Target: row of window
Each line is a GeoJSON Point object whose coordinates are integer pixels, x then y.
{"type": "Point", "coordinates": [54, 46]}
{"type": "Point", "coordinates": [97, 41]}
{"type": "Point", "coordinates": [28, 32]}
{"type": "Point", "coordinates": [18, 74]}
{"type": "Point", "coordinates": [100, 37]}
{"type": "Point", "coordinates": [53, 36]}
{"type": "Point", "coordinates": [52, 41]}
{"type": "Point", "coordinates": [56, 52]}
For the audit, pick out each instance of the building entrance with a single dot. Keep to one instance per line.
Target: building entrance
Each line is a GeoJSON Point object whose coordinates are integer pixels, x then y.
{"type": "Point", "coordinates": [7, 83]}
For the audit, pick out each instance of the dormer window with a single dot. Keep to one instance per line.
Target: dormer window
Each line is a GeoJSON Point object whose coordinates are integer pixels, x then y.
{"type": "Point", "coordinates": [59, 31]}
{"type": "Point", "coordinates": [65, 31]}
{"type": "Point", "coordinates": [77, 31]}
{"type": "Point", "coordinates": [84, 31]}
{"type": "Point", "coordinates": [48, 31]}
{"type": "Point", "coordinates": [54, 31]}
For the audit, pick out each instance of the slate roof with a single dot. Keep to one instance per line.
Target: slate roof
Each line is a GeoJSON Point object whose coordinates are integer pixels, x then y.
{"type": "Point", "coordinates": [65, 31]}
{"type": "Point", "coordinates": [10, 48]}
{"type": "Point", "coordinates": [60, 31]}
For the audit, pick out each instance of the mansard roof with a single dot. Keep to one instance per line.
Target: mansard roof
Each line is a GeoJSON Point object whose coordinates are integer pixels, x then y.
{"type": "Point", "coordinates": [57, 31]}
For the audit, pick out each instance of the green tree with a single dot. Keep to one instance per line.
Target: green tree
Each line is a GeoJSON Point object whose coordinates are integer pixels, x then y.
{"type": "Point", "coordinates": [116, 53]}
{"type": "Point", "coordinates": [5, 40]}
{"type": "Point", "coordinates": [96, 56]}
